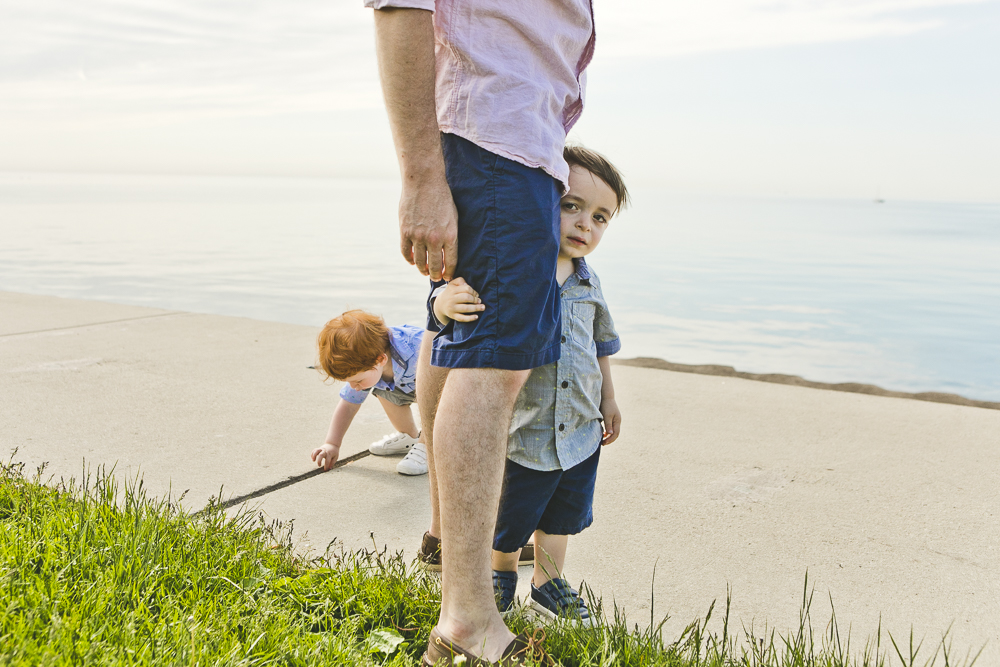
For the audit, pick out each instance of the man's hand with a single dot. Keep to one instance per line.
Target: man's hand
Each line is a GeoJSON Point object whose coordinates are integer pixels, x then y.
{"type": "Point", "coordinates": [459, 302]}
{"type": "Point", "coordinates": [428, 228]}
{"type": "Point", "coordinates": [326, 455]}
{"type": "Point", "coordinates": [612, 417]}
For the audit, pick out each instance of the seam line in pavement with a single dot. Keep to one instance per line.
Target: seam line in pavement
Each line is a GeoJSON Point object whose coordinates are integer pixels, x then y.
{"type": "Point", "coordinates": [92, 324]}
{"type": "Point", "coordinates": [293, 479]}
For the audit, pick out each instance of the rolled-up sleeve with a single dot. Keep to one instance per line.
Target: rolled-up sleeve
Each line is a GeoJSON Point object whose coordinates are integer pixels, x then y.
{"type": "Point", "coordinates": [353, 396]}
{"type": "Point", "coordinates": [401, 4]}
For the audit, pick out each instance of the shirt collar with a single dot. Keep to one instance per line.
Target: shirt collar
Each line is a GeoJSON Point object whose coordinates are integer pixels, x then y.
{"type": "Point", "coordinates": [396, 355]}
{"type": "Point", "coordinates": [582, 271]}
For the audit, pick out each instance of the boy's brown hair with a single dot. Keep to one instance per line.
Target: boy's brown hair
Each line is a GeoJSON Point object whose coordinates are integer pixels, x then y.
{"type": "Point", "coordinates": [601, 167]}
{"type": "Point", "coordinates": [351, 344]}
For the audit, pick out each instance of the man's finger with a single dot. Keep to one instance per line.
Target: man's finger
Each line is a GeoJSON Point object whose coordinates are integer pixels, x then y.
{"type": "Point", "coordinates": [450, 259]}
{"type": "Point", "coordinates": [420, 257]}
{"type": "Point", "coordinates": [406, 247]}
{"type": "Point", "coordinates": [434, 264]}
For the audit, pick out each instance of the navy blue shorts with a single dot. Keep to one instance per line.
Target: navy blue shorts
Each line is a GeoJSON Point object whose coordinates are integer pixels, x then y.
{"type": "Point", "coordinates": [508, 241]}
{"type": "Point", "coordinates": [558, 502]}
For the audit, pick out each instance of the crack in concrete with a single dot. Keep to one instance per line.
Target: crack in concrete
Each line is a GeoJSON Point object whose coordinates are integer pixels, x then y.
{"type": "Point", "coordinates": [91, 324]}
{"type": "Point", "coordinates": [288, 481]}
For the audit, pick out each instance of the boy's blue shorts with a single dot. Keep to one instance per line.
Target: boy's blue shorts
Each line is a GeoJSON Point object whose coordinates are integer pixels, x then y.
{"type": "Point", "coordinates": [508, 241]}
{"type": "Point", "coordinates": [558, 502]}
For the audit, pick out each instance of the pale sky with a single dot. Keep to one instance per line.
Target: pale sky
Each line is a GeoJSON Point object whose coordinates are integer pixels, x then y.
{"type": "Point", "coordinates": [830, 98]}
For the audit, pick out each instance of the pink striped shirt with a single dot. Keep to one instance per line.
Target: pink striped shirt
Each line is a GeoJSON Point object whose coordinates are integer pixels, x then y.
{"type": "Point", "coordinates": [510, 73]}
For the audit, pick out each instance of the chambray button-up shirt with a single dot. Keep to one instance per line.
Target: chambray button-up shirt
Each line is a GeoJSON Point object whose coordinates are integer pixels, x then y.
{"type": "Point", "coordinates": [557, 416]}
{"type": "Point", "coordinates": [404, 346]}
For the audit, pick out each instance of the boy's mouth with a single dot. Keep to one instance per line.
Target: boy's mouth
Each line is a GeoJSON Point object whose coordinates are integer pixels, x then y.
{"type": "Point", "coordinates": [576, 240]}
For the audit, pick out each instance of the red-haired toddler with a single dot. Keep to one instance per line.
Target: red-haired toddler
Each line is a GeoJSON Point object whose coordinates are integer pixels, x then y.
{"type": "Point", "coordinates": [358, 349]}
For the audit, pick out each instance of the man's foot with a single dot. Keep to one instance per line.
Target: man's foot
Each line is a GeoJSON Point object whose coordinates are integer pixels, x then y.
{"type": "Point", "coordinates": [415, 462]}
{"type": "Point", "coordinates": [429, 556]}
{"type": "Point", "coordinates": [556, 599]}
{"type": "Point", "coordinates": [443, 653]}
{"type": "Point", "coordinates": [505, 590]}
{"type": "Point", "coordinates": [393, 444]}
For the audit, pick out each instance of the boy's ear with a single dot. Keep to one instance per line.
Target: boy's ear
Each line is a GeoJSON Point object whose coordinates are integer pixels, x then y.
{"type": "Point", "coordinates": [382, 358]}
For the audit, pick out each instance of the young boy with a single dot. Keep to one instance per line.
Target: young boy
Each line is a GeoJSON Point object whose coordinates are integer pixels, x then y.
{"type": "Point", "coordinates": [369, 357]}
{"type": "Point", "coordinates": [556, 432]}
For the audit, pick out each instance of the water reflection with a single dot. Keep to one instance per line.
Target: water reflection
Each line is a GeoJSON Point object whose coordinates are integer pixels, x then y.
{"type": "Point", "coordinates": [905, 295]}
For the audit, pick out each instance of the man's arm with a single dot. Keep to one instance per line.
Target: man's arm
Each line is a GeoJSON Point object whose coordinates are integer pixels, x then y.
{"type": "Point", "coordinates": [609, 406]}
{"type": "Point", "coordinates": [428, 221]}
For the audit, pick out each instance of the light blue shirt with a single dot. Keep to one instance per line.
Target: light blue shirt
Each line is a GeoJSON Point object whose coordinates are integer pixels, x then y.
{"type": "Point", "coordinates": [557, 416]}
{"type": "Point", "coordinates": [404, 347]}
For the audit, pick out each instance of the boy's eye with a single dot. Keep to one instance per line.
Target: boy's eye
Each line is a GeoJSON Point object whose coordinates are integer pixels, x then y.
{"type": "Point", "coordinates": [569, 206]}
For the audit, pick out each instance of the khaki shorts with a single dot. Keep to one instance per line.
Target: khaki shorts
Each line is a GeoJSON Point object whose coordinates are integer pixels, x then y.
{"type": "Point", "coordinates": [396, 396]}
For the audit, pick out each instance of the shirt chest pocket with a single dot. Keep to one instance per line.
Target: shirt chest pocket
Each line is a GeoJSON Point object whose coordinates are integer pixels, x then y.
{"type": "Point", "coordinates": [583, 322]}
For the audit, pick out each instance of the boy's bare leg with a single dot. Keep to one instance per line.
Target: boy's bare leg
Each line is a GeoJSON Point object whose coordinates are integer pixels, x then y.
{"type": "Point", "coordinates": [504, 562]}
{"type": "Point", "coordinates": [470, 439]}
{"type": "Point", "coordinates": [400, 416]}
{"type": "Point", "coordinates": [430, 381]}
{"type": "Point", "coordinates": [550, 556]}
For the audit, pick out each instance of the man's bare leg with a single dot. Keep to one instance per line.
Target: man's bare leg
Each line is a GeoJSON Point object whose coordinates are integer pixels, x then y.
{"type": "Point", "coordinates": [430, 382]}
{"type": "Point", "coordinates": [470, 438]}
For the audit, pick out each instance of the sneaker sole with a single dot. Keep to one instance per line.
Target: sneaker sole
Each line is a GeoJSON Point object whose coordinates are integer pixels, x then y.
{"type": "Point", "coordinates": [549, 616]}
{"type": "Point", "coordinates": [393, 452]}
{"type": "Point", "coordinates": [428, 567]}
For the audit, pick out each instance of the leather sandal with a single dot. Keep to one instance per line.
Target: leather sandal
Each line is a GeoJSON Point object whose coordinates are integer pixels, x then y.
{"type": "Point", "coordinates": [443, 653]}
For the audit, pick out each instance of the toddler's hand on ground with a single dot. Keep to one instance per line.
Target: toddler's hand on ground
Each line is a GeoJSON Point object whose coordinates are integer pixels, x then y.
{"type": "Point", "coordinates": [460, 302]}
{"type": "Point", "coordinates": [612, 417]}
{"type": "Point", "coordinates": [326, 455]}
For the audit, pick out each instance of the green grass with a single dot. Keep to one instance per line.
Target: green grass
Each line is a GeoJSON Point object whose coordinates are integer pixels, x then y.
{"type": "Point", "coordinates": [96, 573]}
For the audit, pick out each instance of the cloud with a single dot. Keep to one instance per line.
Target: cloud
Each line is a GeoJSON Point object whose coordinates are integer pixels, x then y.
{"type": "Point", "coordinates": [156, 58]}
{"type": "Point", "coordinates": [652, 28]}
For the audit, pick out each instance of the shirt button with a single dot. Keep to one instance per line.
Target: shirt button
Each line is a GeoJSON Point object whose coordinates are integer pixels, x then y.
{"type": "Point", "coordinates": [565, 384]}
{"type": "Point", "coordinates": [562, 427]}
{"type": "Point", "coordinates": [563, 339]}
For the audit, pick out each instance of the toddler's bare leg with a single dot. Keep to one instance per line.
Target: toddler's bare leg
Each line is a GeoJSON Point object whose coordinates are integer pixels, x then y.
{"type": "Point", "coordinates": [505, 562]}
{"type": "Point", "coordinates": [400, 416]}
{"type": "Point", "coordinates": [550, 556]}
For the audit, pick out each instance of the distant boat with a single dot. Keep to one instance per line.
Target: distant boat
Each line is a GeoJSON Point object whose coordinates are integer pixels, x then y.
{"type": "Point", "coordinates": [878, 200]}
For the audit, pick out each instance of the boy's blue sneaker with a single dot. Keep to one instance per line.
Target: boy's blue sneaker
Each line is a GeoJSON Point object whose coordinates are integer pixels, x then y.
{"type": "Point", "coordinates": [505, 590]}
{"type": "Point", "coordinates": [556, 599]}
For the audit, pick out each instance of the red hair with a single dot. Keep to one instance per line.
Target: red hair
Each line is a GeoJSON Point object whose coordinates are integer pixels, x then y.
{"type": "Point", "coordinates": [351, 344]}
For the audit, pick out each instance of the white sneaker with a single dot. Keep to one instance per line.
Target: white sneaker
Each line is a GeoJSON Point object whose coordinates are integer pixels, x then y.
{"type": "Point", "coordinates": [392, 444]}
{"type": "Point", "coordinates": [415, 462]}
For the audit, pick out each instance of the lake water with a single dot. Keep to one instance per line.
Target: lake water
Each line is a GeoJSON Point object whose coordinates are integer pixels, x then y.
{"type": "Point", "coordinates": [905, 295]}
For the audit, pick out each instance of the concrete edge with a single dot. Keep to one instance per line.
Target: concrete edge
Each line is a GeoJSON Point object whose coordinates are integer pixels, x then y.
{"type": "Point", "coordinates": [796, 381]}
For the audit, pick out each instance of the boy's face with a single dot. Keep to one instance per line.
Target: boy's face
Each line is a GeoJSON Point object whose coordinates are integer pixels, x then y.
{"type": "Point", "coordinates": [585, 213]}
{"type": "Point", "coordinates": [366, 379]}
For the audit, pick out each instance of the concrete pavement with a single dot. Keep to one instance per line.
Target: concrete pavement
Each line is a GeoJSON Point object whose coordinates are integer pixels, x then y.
{"type": "Point", "coordinates": [892, 505]}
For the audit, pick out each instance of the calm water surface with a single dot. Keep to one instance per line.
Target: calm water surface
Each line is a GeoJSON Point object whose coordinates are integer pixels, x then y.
{"type": "Point", "coordinates": [903, 295]}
